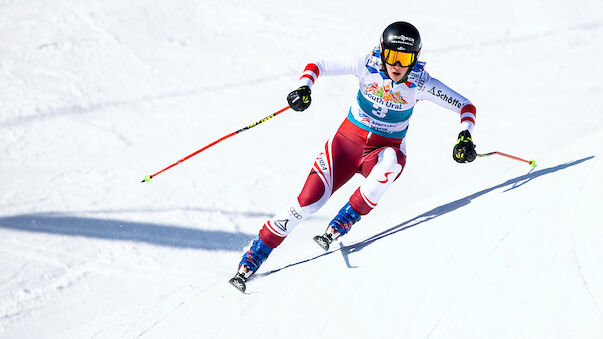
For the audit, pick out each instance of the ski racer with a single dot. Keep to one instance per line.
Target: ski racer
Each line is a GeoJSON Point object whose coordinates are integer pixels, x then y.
{"type": "Point", "coordinates": [370, 141]}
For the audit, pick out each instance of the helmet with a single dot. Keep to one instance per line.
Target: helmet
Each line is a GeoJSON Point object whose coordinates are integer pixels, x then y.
{"type": "Point", "coordinates": [400, 42]}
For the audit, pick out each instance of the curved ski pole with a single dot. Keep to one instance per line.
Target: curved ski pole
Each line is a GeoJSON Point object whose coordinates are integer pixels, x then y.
{"type": "Point", "coordinates": [149, 177]}
{"type": "Point", "coordinates": [530, 162]}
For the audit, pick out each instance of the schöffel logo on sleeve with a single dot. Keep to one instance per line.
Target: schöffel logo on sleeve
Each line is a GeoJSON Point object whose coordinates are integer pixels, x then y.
{"type": "Point", "coordinates": [446, 98]}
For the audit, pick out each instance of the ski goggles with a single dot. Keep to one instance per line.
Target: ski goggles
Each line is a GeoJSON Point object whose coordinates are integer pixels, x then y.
{"type": "Point", "coordinates": [404, 58]}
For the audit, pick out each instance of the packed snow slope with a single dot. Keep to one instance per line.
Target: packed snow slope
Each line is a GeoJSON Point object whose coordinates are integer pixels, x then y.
{"type": "Point", "coordinates": [96, 95]}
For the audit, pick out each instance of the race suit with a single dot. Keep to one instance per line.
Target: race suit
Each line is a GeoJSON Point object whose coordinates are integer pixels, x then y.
{"type": "Point", "coordinates": [370, 141]}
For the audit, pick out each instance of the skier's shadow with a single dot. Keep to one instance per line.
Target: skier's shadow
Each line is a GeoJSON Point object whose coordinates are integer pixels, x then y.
{"type": "Point", "coordinates": [436, 212]}
{"type": "Point", "coordinates": [122, 230]}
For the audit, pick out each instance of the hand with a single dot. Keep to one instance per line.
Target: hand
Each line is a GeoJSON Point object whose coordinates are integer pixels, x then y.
{"type": "Point", "coordinates": [300, 99]}
{"type": "Point", "coordinates": [464, 150]}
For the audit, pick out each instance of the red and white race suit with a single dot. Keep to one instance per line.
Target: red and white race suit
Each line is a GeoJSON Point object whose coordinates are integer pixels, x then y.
{"type": "Point", "coordinates": [370, 141]}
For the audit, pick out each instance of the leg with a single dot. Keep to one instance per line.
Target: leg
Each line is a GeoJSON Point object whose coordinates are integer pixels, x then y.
{"type": "Point", "coordinates": [381, 168]}
{"type": "Point", "coordinates": [340, 160]}
{"type": "Point", "coordinates": [334, 167]}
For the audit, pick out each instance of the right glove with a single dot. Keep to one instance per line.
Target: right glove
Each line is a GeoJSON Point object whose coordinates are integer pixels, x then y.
{"type": "Point", "coordinates": [299, 99]}
{"type": "Point", "coordinates": [464, 150]}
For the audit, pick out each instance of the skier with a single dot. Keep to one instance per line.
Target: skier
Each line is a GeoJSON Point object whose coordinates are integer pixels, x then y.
{"type": "Point", "coordinates": [370, 141]}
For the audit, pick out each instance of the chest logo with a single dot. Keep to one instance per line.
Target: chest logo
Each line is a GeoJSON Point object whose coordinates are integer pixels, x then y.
{"type": "Point", "coordinates": [385, 93]}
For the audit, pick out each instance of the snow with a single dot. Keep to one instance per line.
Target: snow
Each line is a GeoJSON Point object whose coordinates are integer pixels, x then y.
{"type": "Point", "coordinates": [96, 95]}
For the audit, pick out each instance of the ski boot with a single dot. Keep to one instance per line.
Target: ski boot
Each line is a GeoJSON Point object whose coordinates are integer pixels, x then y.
{"type": "Point", "coordinates": [250, 263]}
{"type": "Point", "coordinates": [340, 225]}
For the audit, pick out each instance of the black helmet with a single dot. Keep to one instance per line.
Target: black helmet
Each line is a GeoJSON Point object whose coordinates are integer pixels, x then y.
{"type": "Point", "coordinates": [400, 37]}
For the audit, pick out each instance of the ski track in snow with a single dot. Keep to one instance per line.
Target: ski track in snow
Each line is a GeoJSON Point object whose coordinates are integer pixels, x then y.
{"type": "Point", "coordinates": [589, 175]}
{"type": "Point", "coordinates": [526, 38]}
{"type": "Point", "coordinates": [150, 99]}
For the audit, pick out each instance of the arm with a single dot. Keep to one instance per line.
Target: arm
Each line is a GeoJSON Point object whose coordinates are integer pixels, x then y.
{"type": "Point", "coordinates": [300, 99]}
{"type": "Point", "coordinates": [437, 92]}
{"type": "Point", "coordinates": [332, 66]}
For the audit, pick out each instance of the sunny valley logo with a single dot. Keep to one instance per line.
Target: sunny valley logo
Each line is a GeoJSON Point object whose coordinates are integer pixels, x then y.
{"type": "Point", "coordinates": [385, 93]}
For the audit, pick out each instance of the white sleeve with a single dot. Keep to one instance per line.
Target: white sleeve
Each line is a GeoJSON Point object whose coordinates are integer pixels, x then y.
{"type": "Point", "coordinates": [332, 66]}
{"type": "Point", "coordinates": [435, 91]}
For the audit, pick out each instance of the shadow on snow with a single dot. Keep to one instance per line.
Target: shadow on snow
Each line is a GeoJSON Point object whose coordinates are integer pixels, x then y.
{"type": "Point", "coordinates": [162, 235]}
{"type": "Point", "coordinates": [436, 212]}
{"type": "Point", "coordinates": [183, 237]}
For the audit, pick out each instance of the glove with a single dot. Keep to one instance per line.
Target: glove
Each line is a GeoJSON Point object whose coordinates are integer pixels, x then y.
{"type": "Point", "coordinates": [300, 99]}
{"type": "Point", "coordinates": [464, 150]}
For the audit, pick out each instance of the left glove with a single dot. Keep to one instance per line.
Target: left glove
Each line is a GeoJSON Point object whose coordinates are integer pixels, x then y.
{"type": "Point", "coordinates": [300, 99]}
{"type": "Point", "coordinates": [464, 150]}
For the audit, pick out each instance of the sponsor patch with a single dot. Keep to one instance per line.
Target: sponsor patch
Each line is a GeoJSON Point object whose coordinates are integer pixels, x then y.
{"type": "Point", "coordinates": [385, 93]}
{"type": "Point", "coordinates": [439, 94]}
{"type": "Point", "coordinates": [282, 224]}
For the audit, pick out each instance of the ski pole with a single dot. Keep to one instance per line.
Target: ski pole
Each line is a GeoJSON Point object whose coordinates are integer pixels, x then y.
{"type": "Point", "coordinates": [530, 162]}
{"type": "Point", "coordinates": [149, 177]}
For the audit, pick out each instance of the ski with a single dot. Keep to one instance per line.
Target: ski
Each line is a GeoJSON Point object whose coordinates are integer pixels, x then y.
{"type": "Point", "coordinates": [238, 281]}
{"type": "Point", "coordinates": [323, 242]}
